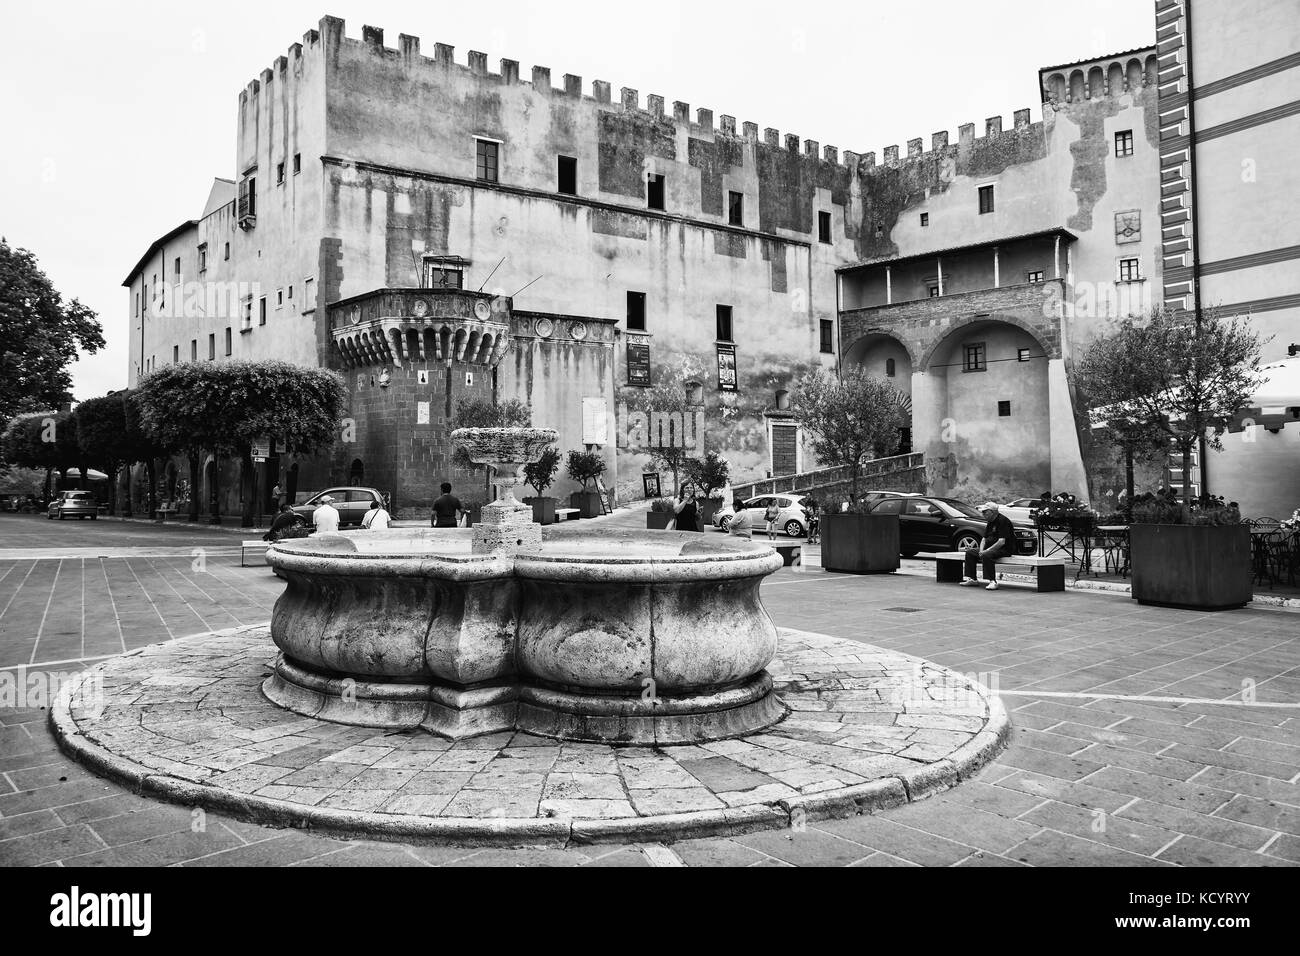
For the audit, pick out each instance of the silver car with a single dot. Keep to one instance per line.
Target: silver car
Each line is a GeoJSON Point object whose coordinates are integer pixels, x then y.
{"type": "Point", "coordinates": [73, 504]}
{"type": "Point", "coordinates": [792, 520]}
{"type": "Point", "coordinates": [352, 503]}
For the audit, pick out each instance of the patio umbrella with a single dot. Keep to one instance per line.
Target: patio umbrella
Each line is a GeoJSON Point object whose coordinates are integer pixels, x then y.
{"type": "Point", "coordinates": [91, 474]}
{"type": "Point", "coordinates": [1277, 400]}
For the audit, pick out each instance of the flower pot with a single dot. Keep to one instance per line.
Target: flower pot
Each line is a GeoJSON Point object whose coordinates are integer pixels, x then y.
{"type": "Point", "coordinates": [860, 543]}
{"type": "Point", "coordinates": [658, 520]}
{"type": "Point", "coordinates": [589, 504]}
{"type": "Point", "coordinates": [543, 510]}
{"type": "Point", "coordinates": [1203, 567]}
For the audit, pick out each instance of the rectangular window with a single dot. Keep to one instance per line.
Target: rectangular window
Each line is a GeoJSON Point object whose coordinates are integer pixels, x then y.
{"type": "Point", "coordinates": [247, 324]}
{"type": "Point", "coordinates": [724, 323]}
{"type": "Point", "coordinates": [823, 227]}
{"type": "Point", "coordinates": [1022, 355]}
{"type": "Point", "coordinates": [568, 176]}
{"type": "Point", "coordinates": [137, 304]}
{"type": "Point", "coordinates": [203, 257]}
{"type": "Point", "coordinates": [444, 273]}
{"type": "Point", "coordinates": [212, 346]}
{"type": "Point", "coordinates": [246, 207]}
{"type": "Point", "coordinates": [297, 163]}
{"type": "Point", "coordinates": [290, 292]}
{"type": "Point", "coordinates": [1004, 409]}
{"type": "Point", "coordinates": [1129, 271]}
{"type": "Point", "coordinates": [227, 252]}
{"type": "Point", "coordinates": [486, 160]}
{"type": "Point", "coordinates": [309, 295]}
{"type": "Point", "coordinates": [229, 342]}
{"type": "Point", "coordinates": [828, 336]}
{"type": "Point", "coordinates": [986, 199]}
{"type": "Point", "coordinates": [925, 219]}
{"type": "Point", "coordinates": [736, 209]}
{"type": "Point", "coordinates": [261, 311]}
{"type": "Point", "coordinates": [654, 193]}
{"type": "Point", "coordinates": [636, 311]}
{"type": "Point", "coordinates": [279, 298]}
{"type": "Point", "coordinates": [1035, 276]}
{"type": "Point", "coordinates": [194, 350]}
{"type": "Point", "coordinates": [279, 174]}
{"type": "Point", "coordinates": [933, 290]}
{"type": "Point", "coordinates": [974, 358]}
{"type": "Point", "coordinates": [176, 355]}
{"type": "Point", "coordinates": [1124, 143]}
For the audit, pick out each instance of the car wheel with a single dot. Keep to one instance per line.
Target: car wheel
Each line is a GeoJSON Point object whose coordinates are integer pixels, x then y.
{"type": "Point", "coordinates": [794, 528]}
{"type": "Point", "coordinates": [724, 523]}
{"type": "Point", "coordinates": [967, 540]}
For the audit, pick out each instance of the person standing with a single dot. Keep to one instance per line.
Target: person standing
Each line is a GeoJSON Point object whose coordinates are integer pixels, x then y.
{"type": "Point", "coordinates": [741, 524]}
{"type": "Point", "coordinates": [447, 510]}
{"type": "Point", "coordinates": [999, 541]}
{"type": "Point", "coordinates": [376, 518]}
{"type": "Point", "coordinates": [326, 517]}
{"type": "Point", "coordinates": [770, 514]}
{"type": "Point", "coordinates": [277, 495]}
{"type": "Point", "coordinates": [688, 512]}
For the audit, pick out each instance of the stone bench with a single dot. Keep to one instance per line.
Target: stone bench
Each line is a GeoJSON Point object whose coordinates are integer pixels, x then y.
{"type": "Point", "coordinates": [162, 514]}
{"type": "Point", "coordinates": [251, 545]}
{"type": "Point", "coordinates": [791, 554]}
{"type": "Point", "coordinates": [1049, 573]}
{"type": "Point", "coordinates": [566, 514]}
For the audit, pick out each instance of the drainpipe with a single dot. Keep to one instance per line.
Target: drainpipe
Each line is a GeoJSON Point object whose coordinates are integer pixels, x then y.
{"type": "Point", "coordinates": [1196, 226]}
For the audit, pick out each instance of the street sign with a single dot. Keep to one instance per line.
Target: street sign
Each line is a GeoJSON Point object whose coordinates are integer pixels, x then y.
{"type": "Point", "coordinates": [261, 449]}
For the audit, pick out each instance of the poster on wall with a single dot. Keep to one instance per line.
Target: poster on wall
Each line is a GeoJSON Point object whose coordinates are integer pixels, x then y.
{"type": "Point", "coordinates": [650, 482]}
{"type": "Point", "coordinates": [727, 368]}
{"type": "Point", "coordinates": [638, 364]}
{"type": "Point", "coordinates": [595, 421]}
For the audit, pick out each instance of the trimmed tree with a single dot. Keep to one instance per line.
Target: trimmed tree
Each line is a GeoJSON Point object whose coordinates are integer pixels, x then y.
{"type": "Point", "coordinates": [31, 441]}
{"type": "Point", "coordinates": [101, 429]}
{"type": "Point", "coordinates": [584, 467]}
{"type": "Point", "coordinates": [1172, 377]}
{"type": "Point", "coordinates": [541, 473]}
{"type": "Point", "coordinates": [710, 472]}
{"type": "Point", "coordinates": [849, 420]}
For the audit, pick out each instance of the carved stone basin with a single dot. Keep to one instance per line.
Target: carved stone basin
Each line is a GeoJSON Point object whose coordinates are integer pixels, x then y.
{"type": "Point", "coordinates": [637, 637]}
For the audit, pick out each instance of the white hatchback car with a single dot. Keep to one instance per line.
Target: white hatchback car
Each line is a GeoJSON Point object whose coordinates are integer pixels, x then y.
{"type": "Point", "coordinates": [1018, 511]}
{"type": "Point", "coordinates": [791, 520]}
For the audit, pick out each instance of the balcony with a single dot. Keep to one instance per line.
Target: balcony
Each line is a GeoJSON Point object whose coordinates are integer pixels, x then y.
{"type": "Point", "coordinates": [392, 326]}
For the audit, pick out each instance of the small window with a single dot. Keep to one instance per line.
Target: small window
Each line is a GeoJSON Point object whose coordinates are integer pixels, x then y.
{"type": "Point", "coordinates": [308, 295]}
{"type": "Point", "coordinates": [1035, 276]}
{"type": "Point", "coordinates": [261, 311]}
{"type": "Point", "coordinates": [229, 341]}
{"type": "Point", "coordinates": [724, 323]}
{"type": "Point", "coordinates": [194, 350]}
{"type": "Point", "coordinates": [736, 209]}
{"type": "Point", "coordinates": [444, 273]}
{"type": "Point", "coordinates": [891, 368]}
{"type": "Point", "coordinates": [487, 157]}
{"type": "Point", "coordinates": [654, 191]}
{"type": "Point", "coordinates": [290, 292]}
{"type": "Point", "coordinates": [1129, 271]}
{"type": "Point", "coordinates": [226, 254]}
{"type": "Point", "coordinates": [823, 227]}
{"type": "Point", "coordinates": [986, 199]}
{"type": "Point", "coordinates": [568, 176]}
{"type": "Point", "coordinates": [828, 336]}
{"type": "Point", "coordinates": [212, 346]}
{"type": "Point", "coordinates": [279, 298]}
{"type": "Point", "coordinates": [1022, 355]}
{"type": "Point", "coordinates": [1124, 143]}
{"type": "Point", "coordinates": [636, 311]}
{"type": "Point", "coordinates": [203, 257]}
{"type": "Point", "coordinates": [925, 219]}
{"type": "Point", "coordinates": [297, 163]}
{"type": "Point", "coordinates": [1004, 409]}
{"type": "Point", "coordinates": [279, 174]}
{"type": "Point", "coordinates": [176, 355]}
{"type": "Point", "coordinates": [932, 289]}
{"type": "Point", "coordinates": [975, 360]}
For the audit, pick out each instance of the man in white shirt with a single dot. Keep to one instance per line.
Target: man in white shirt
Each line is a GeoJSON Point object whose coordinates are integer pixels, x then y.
{"type": "Point", "coordinates": [326, 518]}
{"type": "Point", "coordinates": [376, 518]}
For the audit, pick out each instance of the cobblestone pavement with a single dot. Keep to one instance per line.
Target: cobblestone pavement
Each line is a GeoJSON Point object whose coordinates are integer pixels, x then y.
{"type": "Point", "coordinates": [1143, 736]}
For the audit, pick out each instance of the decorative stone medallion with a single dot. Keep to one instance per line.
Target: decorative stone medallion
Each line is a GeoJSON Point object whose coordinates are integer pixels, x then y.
{"type": "Point", "coordinates": [482, 310]}
{"type": "Point", "coordinates": [578, 330]}
{"type": "Point", "coordinates": [420, 308]}
{"type": "Point", "coordinates": [544, 328]}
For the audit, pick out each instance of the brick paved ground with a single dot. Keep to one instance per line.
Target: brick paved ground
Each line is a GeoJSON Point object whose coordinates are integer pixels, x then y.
{"type": "Point", "coordinates": [1103, 767]}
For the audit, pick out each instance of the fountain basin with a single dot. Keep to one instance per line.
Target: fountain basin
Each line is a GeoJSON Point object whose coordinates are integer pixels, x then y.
{"type": "Point", "coordinates": [636, 637]}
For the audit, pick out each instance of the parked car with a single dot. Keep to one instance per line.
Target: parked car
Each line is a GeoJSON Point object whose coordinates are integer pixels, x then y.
{"type": "Point", "coordinates": [1020, 510]}
{"type": "Point", "coordinates": [792, 519]}
{"type": "Point", "coordinates": [73, 504]}
{"type": "Point", "coordinates": [351, 503]}
{"type": "Point", "coordinates": [873, 496]}
{"type": "Point", "coordinates": [943, 524]}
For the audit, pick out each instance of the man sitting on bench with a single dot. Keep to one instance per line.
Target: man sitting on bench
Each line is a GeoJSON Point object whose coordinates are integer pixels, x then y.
{"type": "Point", "coordinates": [999, 542]}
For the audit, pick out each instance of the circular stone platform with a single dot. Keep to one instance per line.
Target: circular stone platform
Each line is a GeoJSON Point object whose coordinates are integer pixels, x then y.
{"type": "Point", "coordinates": [186, 722]}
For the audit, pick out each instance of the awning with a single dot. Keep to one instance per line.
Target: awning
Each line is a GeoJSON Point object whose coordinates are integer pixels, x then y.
{"type": "Point", "coordinates": [91, 474]}
{"type": "Point", "coordinates": [1277, 401]}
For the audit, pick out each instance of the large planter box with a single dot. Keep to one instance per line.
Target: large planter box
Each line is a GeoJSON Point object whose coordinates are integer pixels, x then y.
{"type": "Point", "coordinates": [1206, 568]}
{"type": "Point", "coordinates": [658, 520]}
{"type": "Point", "coordinates": [543, 510]}
{"type": "Point", "coordinates": [860, 544]}
{"type": "Point", "coordinates": [587, 503]}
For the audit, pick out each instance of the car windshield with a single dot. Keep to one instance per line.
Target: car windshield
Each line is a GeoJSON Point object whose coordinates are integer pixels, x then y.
{"type": "Point", "coordinates": [952, 506]}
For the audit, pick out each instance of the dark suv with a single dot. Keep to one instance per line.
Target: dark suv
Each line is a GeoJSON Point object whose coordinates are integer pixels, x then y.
{"type": "Point", "coordinates": [943, 524]}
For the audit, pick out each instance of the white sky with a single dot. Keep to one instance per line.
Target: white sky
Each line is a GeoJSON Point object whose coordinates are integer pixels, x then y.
{"type": "Point", "coordinates": [118, 115]}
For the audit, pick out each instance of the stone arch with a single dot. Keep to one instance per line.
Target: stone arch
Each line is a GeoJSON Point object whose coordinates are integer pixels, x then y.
{"type": "Point", "coordinates": [1115, 79]}
{"type": "Point", "coordinates": [1096, 82]}
{"type": "Point", "coordinates": [957, 325]}
{"type": "Point", "coordinates": [1076, 86]}
{"type": "Point", "coordinates": [854, 352]}
{"type": "Point", "coordinates": [1152, 72]}
{"type": "Point", "coordinates": [1133, 74]}
{"type": "Point", "coordinates": [1056, 88]}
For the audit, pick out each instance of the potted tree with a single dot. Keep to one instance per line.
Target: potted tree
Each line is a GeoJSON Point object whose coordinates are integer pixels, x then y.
{"type": "Point", "coordinates": [540, 475]}
{"type": "Point", "coordinates": [1182, 377]}
{"type": "Point", "coordinates": [710, 475]}
{"type": "Point", "coordinates": [585, 467]}
{"type": "Point", "coordinates": [850, 420]}
{"type": "Point", "coordinates": [661, 513]}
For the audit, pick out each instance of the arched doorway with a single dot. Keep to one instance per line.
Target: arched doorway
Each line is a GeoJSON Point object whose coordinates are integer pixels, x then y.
{"type": "Point", "coordinates": [887, 358]}
{"type": "Point", "coordinates": [357, 473]}
{"type": "Point", "coordinates": [987, 412]}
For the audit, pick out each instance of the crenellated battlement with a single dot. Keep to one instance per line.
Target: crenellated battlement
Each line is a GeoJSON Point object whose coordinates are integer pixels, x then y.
{"type": "Point", "coordinates": [1110, 75]}
{"type": "Point", "coordinates": [940, 145]}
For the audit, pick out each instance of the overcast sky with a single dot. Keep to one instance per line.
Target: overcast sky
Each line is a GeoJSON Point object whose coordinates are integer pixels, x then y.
{"type": "Point", "coordinates": [118, 115]}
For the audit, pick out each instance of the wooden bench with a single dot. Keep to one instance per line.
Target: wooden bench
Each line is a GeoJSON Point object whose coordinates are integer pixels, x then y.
{"type": "Point", "coordinates": [162, 514]}
{"type": "Point", "coordinates": [566, 514]}
{"type": "Point", "coordinates": [251, 545]}
{"type": "Point", "coordinates": [791, 554]}
{"type": "Point", "coordinates": [1049, 573]}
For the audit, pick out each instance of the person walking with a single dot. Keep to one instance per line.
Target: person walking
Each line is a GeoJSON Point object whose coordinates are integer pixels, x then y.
{"type": "Point", "coordinates": [688, 512]}
{"type": "Point", "coordinates": [770, 514]}
{"type": "Point", "coordinates": [326, 517]}
{"type": "Point", "coordinates": [741, 524]}
{"type": "Point", "coordinates": [447, 510]}
{"type": "Point", "coordinates": [376, 518]}
{"type": "Point", "coordinates": [999, 541]}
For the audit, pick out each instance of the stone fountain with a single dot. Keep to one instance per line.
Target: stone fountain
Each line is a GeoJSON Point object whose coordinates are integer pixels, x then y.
{"type": "Point", "coordinates": [638, 637]}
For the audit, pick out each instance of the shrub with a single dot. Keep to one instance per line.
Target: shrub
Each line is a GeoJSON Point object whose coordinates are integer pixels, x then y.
{"type": "Point", "coordinates": [540, 474]}
{"type": "Point", "coordinates": [584, 467]}
{"type": "Point", "coordinates": [1163, 507]}
{"type": "Point", "coordinates": [663, 505]}
{"type": "Point", "coordinates": [710, 473]}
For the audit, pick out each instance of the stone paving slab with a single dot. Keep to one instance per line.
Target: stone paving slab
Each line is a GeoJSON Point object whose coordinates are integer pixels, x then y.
{"type": "Point", "coordinates": [186, 721]}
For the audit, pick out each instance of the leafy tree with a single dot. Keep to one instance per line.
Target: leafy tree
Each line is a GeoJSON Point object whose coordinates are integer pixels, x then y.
{"type": "Point", "coordinates": [1176, 376]}
{"type": "Point", "coordinates": [141, 443]}
{"type": "Point", "coordinates": [541, 473]}
{"type": "Point", "coordinates": [850, 420]}
{"type": "Point", "coordinates": [40, 335]}
{"type": "Point", "coordinates": [670, 409]}
{"type": "Point", "coordinates": [584, 467]}
{"type": "Point", "coordinates": [710, 472]}
{"type": "Point", "coordinates": [101, 434]}
{"type": "Point", "coordinates": [230, 406]}
{"type": "Point", "coordinates": [31, 441]}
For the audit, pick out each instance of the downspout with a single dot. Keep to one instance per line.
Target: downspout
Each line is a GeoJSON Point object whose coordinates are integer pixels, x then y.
{"type": "Point", "coordinates": [1196, 226]}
